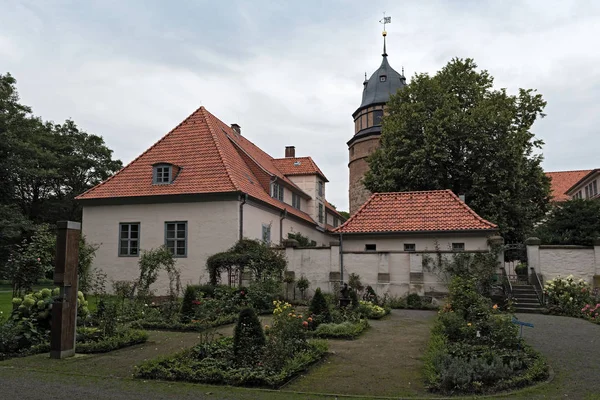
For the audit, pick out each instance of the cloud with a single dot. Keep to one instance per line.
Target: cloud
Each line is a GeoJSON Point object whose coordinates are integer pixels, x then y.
{"type": "Point", "coordinates": [291, 73]}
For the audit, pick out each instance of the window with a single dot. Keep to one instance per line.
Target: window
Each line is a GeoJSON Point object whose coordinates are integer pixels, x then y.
{"type": "Point", "coordinates": [335, 222]}
{"type": "Point", "coordinates": [266, 233]}
{"type": "Point", "coordinates": [458, 247]}
{"type": "Point", "coordinates": [176, 238]}
{"type": "Point", "coordinates": [321, 216]}
{"type": "Point", "coordinates": [587, 192]}
{"type": "Point", "coordinates": [320, 188]}
{"type": "Point", "coordinates": [591, 190]}
{"type": "Point", "coordinates": [382, 78]}
{"type": "Point", "coordinates": [295, 201]}
{"type": "Point", "coordinates": [370, 247]}
{"type": "Point", "coordinates": [277, 191]}
{"type": "Point", "coordinates": [410, 247]}
{"type": "Point", "coordinates": [577, 195]}
{"type": "Point", "coordinates": [162, 174]}
{"type": "Point", "coordinates": [377, 116]}
{"type": "Point", "coordinates": [129, 239]}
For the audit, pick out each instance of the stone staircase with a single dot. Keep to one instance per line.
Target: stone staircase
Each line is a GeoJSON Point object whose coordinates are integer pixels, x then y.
{"type": "Point", "coordinates": [526, 300]}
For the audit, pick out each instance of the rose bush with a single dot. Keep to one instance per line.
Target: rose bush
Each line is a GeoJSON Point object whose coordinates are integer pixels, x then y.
{"type": "Point", "coordinates": [567, 296]}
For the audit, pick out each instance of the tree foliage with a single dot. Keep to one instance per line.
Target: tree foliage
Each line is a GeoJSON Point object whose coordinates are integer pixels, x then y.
{"type": "Point", "coordinates": [575, 222]}
{"type": "Point", "coordinates": [454, 131]}
{"type": "Point", "coordinates": [43, 167]}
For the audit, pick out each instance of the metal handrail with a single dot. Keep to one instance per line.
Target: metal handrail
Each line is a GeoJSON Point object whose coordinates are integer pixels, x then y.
{"type": "Point", "coordinates": [537, 284]}
{"type": "Point", "coordinates": [506, 282]}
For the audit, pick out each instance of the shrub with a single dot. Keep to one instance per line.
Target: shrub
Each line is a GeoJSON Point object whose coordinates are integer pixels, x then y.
{"type": "Point", "coordinates": [413, 300]}
{"type": "Point", "coordinates": [93, 342]}
{"type": "Point", "coordinates": [567, 296]}
{"type": "Point", "coordinates": [344, 330]}
{"type": "Point", "coordinates": [372, 311]}
{"type": "Point", "coordinates": [187, 305]}
{"type": "Point", "coordinates": [370, 295]}
{"type": "Point", "coordinates": [592, 312]}
{"type": "Point", "coordinates": [248, 338]}
{"type": "Point", "coordinates": [355, 283]}
{"type": "Point", "coordinates": [262, 294]}
{"type": "Point", "coordinates": [319, 308]}
{"type": "Point", "coordinates": [354, 299]}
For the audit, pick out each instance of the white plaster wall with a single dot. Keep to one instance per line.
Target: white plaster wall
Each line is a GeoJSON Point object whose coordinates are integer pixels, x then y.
{"type": "Point", "coordinates": [212, 227]}
{"type": "Point", "coordinates": [422, 242]}
{"type": "Point", "coordinates": [579, 262]}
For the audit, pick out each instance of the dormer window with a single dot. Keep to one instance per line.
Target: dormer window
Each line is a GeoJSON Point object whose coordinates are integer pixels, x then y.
{"type": "Point", "coordinates": [163, 174]}
{"type": "Point", "coordinates": [382, 78]}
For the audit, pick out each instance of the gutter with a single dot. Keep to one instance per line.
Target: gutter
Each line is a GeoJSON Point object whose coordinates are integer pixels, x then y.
{"type": "Point", "coordinates": [243, 199]}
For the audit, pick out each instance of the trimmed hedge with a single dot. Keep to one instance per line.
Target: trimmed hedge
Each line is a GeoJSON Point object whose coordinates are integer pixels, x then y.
{"type": "Point", "coordinates": [346, 330]}
{"type": "Point", "coordinates": [125, 339]}
{"type": "Point", "coordinates": [206, 363]}
{"type": "Point", "coordinates": [198, 326]}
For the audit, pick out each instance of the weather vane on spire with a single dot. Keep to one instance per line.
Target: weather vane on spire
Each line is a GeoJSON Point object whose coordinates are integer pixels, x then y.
{"type": "Point", "coordinates": [385, 20]}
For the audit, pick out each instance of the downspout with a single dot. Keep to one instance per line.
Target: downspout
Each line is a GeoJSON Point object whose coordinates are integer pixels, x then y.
{"type": "Point", "coordinates": [283, 216]}
{"type": "Point", "coordinates": [341, 260]}
{"type": "Point", "coordinates": [243, 199]}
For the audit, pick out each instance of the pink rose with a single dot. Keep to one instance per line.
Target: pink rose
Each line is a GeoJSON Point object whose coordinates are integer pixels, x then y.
{"type": "Point", "coordinates": [39, 260]}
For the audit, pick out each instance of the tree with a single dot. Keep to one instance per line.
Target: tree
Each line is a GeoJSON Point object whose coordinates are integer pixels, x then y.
{"type": "Point", "coordinates": [454, 131]}
{"type": "Point", "coordinates": [575, 222]}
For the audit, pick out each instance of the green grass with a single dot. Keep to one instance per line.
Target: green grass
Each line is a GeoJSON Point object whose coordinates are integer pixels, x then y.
{"type": "Point", "coordinates": [5, 303]}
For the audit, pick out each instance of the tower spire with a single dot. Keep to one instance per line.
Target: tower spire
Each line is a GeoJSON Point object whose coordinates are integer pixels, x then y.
{"type": "Point", "coordinates": [385, 20]}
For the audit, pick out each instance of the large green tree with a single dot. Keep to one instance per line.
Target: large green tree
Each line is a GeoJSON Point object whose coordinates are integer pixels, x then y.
{"type": "Point", "coordinates": [455, 131]}
{"type": "Point", "coordinates": [574, 222]}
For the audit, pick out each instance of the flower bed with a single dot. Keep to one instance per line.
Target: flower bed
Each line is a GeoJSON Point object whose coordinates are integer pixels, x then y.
{"type": "Point", "coordinates": [92, 343]}
{"type": "Point", "coordinates": [215, 363]}
{"type": "Point", "coordinates": [345, 330]}
{"type": "Point", "coordinates": [476, 349]}
{"type": "Point", "coordinates": [247, 359]}
{"type": "Point", "coordinates": [572, 298]}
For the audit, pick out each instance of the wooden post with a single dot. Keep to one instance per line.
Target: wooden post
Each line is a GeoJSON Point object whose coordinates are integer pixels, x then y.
{"type": "Point", "coordinates": [64, 309]}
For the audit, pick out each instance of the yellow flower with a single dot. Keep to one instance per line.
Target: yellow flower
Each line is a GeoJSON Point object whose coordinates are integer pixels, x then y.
{"type": "Point", "coordinates": [469, 324]}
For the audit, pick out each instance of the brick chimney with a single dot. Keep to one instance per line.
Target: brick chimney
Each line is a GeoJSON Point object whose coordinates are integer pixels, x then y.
{"type": "Point", "coordinates": [236, 128]}
{"type": "Point", "coordinates": [290, 151]}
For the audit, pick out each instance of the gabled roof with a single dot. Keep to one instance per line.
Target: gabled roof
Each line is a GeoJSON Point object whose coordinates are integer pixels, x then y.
{"type": "Point", "coordinates": [209, 155]}
{"type": "Point", "coordinates": [298, 166]}
{"type": "Point", "coordinates": [425, 211]}
{"type": "Point", "coordinates": [562, 181]}
{"type": "Point", "coordinates": [583, 179]}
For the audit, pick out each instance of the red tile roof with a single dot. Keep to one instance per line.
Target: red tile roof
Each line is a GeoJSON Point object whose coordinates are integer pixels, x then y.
{"type": "Point", "coordinates": [561, 181]}
{"type": "Point", "coordinates": [425, 211]}
{"type": "Point", "coordinates": [332, 210]}
{"type": "Point", "coordinates": [209, 154]}
{"type": "Point", "coordinates": [298, 166]}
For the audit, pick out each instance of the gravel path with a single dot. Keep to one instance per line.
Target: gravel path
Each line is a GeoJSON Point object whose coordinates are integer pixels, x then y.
{"type": "Point", "coordinates": [572, 348]}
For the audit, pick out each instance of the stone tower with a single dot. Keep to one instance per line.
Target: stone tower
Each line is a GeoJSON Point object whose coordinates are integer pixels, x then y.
{"type": "Point", "coordinates": [384, 82]}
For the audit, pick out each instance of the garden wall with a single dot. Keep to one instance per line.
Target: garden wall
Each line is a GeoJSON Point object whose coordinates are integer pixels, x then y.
{"type": "Point", "coordinates": [583, 262]}
{"type": "Point", "coordinates": [394, 272]}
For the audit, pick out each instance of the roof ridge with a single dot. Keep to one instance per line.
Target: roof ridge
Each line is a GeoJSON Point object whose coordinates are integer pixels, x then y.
{"type": "Point", "coordinates": [469, 209]}
{"type": "Point", "coordinates": [571, 170]}
{"type": "Point", "coordinates": [141, 155]}
{"type": "Point", "coordinates": [218, 146]}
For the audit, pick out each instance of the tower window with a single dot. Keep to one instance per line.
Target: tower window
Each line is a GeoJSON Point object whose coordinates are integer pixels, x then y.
{"type": "Point", "coordinates": [382, 78]}
{"type": "Point", "coordinates": [377, 116]}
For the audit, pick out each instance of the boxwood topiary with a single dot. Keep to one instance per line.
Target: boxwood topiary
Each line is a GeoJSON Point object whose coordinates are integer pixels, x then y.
{"type": "Point", "coordinates": [248, 338]}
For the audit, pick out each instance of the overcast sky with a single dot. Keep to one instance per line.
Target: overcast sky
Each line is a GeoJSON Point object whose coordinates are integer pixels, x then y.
{"type": "Point", "coordinates": [291, 73]}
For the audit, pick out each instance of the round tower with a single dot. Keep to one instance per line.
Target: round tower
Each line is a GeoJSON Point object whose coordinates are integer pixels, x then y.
{"type": "Point", "coordinates": [384, 82]}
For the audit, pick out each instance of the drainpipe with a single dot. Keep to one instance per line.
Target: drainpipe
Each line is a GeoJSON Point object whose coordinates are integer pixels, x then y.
{"type": "Point", "coordinates": [341, 260]}
{"type": "Point", "coordinates": [243, 199]}
{"type": "Point", "coordinates": [283, 216]}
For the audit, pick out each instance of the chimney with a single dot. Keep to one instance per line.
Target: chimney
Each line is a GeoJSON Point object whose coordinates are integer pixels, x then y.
{"type": "Point", "coordinates": [290, 152]}
{"type": "Point", "coordinates": [236, 128]}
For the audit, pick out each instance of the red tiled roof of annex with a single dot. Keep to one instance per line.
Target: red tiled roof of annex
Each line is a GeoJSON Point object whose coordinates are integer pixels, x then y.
{"type": "Point", "coordinates": [298, 166]}
{"type": "Point", "coordinates": [209, 156]}
{"type": "Point", "coordinates": [561, 181]}
{"type": "Point", "coordinates": [423, 211]}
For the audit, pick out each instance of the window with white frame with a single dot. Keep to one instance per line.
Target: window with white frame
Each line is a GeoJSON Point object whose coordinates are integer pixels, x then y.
{"type": "Point", "coordinates": [295, 201]}
{"type": "Point", "coordinates": [176, 237]}
{"type": "Point", "coordinates": [336, 222]}
{"type": "Point", "coordinates": [277, 191]}
{"type": "Point", "coordinates": [162, 174]}
{"type": "Point", "coordinates": [129, 239]}
{"type": "Point", "coordinates": [266, 233]}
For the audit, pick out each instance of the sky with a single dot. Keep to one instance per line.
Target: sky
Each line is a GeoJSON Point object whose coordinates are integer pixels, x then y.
{"type": "Point", "coordinates": [291, 73]}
